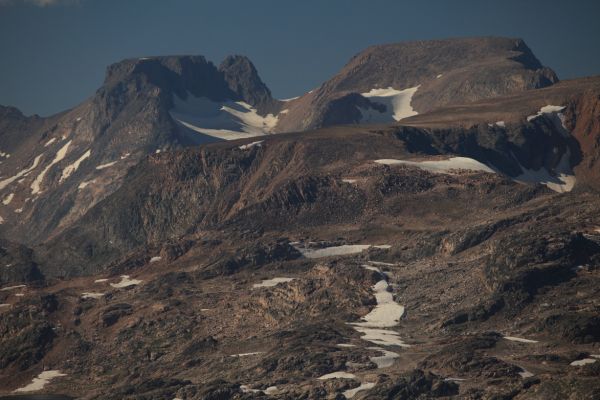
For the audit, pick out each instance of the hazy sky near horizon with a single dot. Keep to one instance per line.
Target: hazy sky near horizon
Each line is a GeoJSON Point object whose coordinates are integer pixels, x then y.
{"type": "Point", "coordinates": [54, 52]}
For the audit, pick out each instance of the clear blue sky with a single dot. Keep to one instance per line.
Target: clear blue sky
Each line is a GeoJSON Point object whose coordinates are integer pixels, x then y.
{"type": "Point", "coordinates": [53, 56]}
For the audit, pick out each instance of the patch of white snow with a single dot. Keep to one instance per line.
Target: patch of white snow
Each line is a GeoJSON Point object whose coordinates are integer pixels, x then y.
{"type": "Point", "coordinates": [272, 282]}
{"type": "Point", "coordinates": [250, 145]}
{"type": "Point", "coordinates": [73, 167]}
{"type": "Point", "coordinates": [442, 166]}
{"type": "Point", "coordinates": [60, 155]}
{"type": "Point", "coordinates": [521, 340]}
{"type": "Point", "coordinates": [397, 103]}
{"type": "Point", "coordinates": [126, 282]}
{"type": "Point", "coordinates": [21, 173]}
{"type": "Point", "coordinates": [107, 165]}
{"type": "Point", "coordinates": [42, 380]}
{"type": "Point", "coordinates": [227, 120]}
{"type": "Point", "coordinates": [8, 199]}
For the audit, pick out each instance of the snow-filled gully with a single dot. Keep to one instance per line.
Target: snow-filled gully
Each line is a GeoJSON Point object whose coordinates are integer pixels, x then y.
{"type": "Point", "coordinates": [374, 328]}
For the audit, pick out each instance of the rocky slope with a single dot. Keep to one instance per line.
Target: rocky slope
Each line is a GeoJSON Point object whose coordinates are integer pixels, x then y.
{"type": "Point", "coordinates": [454, 254]}
{"type": "Point", "coordinates": [252, 296]}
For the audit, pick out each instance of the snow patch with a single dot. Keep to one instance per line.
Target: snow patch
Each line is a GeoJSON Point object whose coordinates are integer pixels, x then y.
{"type": "Point", "coordinates": [155, 259]}
{"type": "Point", "coordinates": [521, 340]}
{"type": "Point", "coordinates": [21, 173]}
{"type": "Point", "coordinates": [290, 99]}
{"type": "Point", "coordinates": [397, 103]}
{"type": "Point", "coordinates": [526, 374]}
{"type": "Point", "coordinates": [384, 361]}
{"type": "Point", "coordinates": [12, 288]}
{"type": "Point", "coordinates": [549, 109]}
{"type": "Point", "coordinates": [349, 180]}
{"type": "Point", "coordinates": [337, 375]}
{"type": "Point", "coordinates": [562, 180]}
{"type": "Point", "coordinates": [60, 155]}
{"type": "Point", "coordinates": [247, 354]}
{"type": "Point", "coordinates": [387, 312]}
{"type": "Point", "coordinates": [85, 184]}
{"type": "Point", "coordinates": [8, 199]}
{"type": "Point", "coordinates": [42, 380]}
{"type": "Point", "coordinates": [350, 393]}
{"type": "Point", "coordinates": [101, 280]}
{"type": "Point", "coordinates": [227, 120]}
{"type": "Point", "coordinates": [250, 145]}
{"type": "Point", "coordinates": [91, 295]}
{"type": "Point", "coordinates": [107, 165]}
{"type": "Point", "coordinates": [49, 142]}
{"type": "Point", "coordinates": [439, 76]}
{"type": "Point", "coordinates": [585, 361]}
{"type": "Point", "coordinates": [442, 166]}
{"type": "Point", "coordinates": [73, 167]}
{"type": "Point", "coordinates": [126, 282]}
{"type": "Point", "coordinates": [272, 282]}
{"type": "Point", "coordinates": [337, 250]}
{"type": "Point", "coordinates": [501, 124]}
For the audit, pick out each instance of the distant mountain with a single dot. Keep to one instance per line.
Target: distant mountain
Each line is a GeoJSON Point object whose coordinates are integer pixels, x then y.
{"type": "Point", "coordinates": [60, 166]}
{"type": "Point", "coordinates": [416, 77]}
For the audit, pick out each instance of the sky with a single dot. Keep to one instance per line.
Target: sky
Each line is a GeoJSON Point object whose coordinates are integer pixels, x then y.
{"type": "Point", "coordinates": [53, 53]}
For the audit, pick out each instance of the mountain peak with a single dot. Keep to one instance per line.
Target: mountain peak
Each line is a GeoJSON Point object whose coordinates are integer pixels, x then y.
{"type": "Point", "coordinates": [243, 79]}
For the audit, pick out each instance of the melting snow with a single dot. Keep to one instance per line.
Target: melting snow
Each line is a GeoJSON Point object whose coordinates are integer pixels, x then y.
{"type": "Point", "coordinates": [42, 380]}
{"type": "Point", "coordinates": [583, 362]}
{"type": "Point", "coordinates": [272, 282]}
{"type": "Point", "coordinates": [101, 280]}
{"type": "Point", "coordinates": [546, 110]}
{"type": "Point", "coordinates": [517, 339]}
{"type": "Point", "coordinates": [12, 288]}
{"type": "Point", "coordinates": [501, 124]}
{"type": "Point", "coordinates": [290, 99]}
{"type": "Point", "coordinates": [350, 393]}
{"type": "Point", "coordinates": [49, 142]}
{"type": "Point", "coordinates": [60, 155]}
{"type": "Point", "coordinates": [126, 282]}
{"type": "Point", "coordinates": [561, 181]}
{"type": "Point", "coordinates": [387, 312]}
{"type": "Point", "coordinates": [249, 145]}
{"type": "Point", "coordinates": [107, 165]}
{"type": "Point", "coordinates": [23, 172]}
{"type": "Point", "coordinates": [339, 374]}
{"type": "Point", "coordinates": [73, 167]}
{"type": "Point", "coordinates": [225, 120]}
{"type": "Point", "coordinates": [247, 354]}
{"type": "Point", "coordinates": [442, 166]}
{"type": "Point", "coordinates": [155, 259]}
{"type": "Point", "coordinates": [91, 295]}
{"type": "Point", "coordinates": [349, 180]}
{"type": "Point", "coordinates": [382, 337]}
{"type": "Point", "coordinates": [526, 374]}
{"type": "Point", "coordinates": [384, 361]}
{"type": "Point", "coordinates": [337, 250]}
{"type": "Point", "coordinates": [8, 199]}
{"type": "Point", "coordinates": [345, 345]}
{"type": "Point", "coordinates": [83, 185]}
{"type": "Point", "coordinates": [397, 103]}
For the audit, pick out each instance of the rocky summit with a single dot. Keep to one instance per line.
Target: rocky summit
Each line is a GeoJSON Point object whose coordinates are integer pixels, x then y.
{"type": "Point", "coordinates": [422, 225]}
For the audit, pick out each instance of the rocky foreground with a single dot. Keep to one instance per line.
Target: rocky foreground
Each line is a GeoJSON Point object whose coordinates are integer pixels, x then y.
{"type": "Point", "coordinates": [356, 279]}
